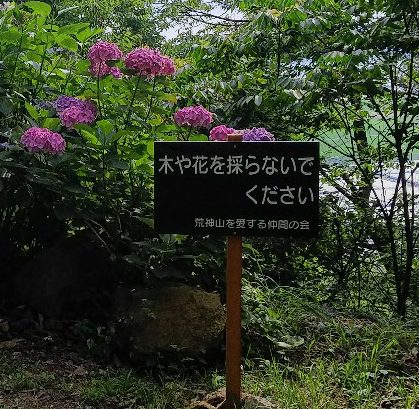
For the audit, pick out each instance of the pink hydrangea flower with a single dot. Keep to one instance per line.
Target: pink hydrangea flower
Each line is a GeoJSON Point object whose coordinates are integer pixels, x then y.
{"type": "Point", "coordinates": [43, 140]}
{"type": "Point", "coordinates": [116, 72]}
{"type": "Point", "coordinates": [100, 54]}
{"type": "Point", "coordinates": [195, 116]}
{"type": "Point", "coordinates": [84, 113]}
{"type": "Point", "coordinates": [148, 62]}
{"type": "Point", "coordinates": [220, 133]}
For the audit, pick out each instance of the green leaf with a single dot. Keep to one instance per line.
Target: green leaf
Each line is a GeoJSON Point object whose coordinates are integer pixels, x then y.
{"type": "Point", "coordinates": [84, 35]}
{"type": "Point", "coordinates": [32, 111]}
{"type": "Point", "coordinates": [6, 106]}
{"type": "Point", "coordinates": [105, 131]}
{"type": "Point", "coordinates": [117, 164]}
{"type": "Point", "coordinates": [72, 28]}
{"type": "Point", "coordinates": [43, 9]}
{"type": "Point", "coordinates": [199, 137]}
{"type": "Point", "coordinates": [169, 98]}
{"type": "Point", "coordinates": [52, 123]}
{"type": "Point", "coordinates": [258, 100]}
{"type": "Point", "coordinates": [68, 42]}
{"type": "Point", "coordinates": [150, 148]}
{"type": "Point", "coordinates": [156, 121]}
{"type": "Point", "coordinates": [10, 37]}
{"type": "Point", "coordinates": [147, 221]}
{"type": "Point", "coordinates": [105, 126]}
{"type": "Point", "coordinates": [74, 189]}
{"type": "Point", "coordinates": [294, 340]}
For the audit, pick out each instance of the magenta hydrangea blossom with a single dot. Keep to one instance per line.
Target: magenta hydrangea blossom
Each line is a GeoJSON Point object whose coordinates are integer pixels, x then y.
{"type": "Point", "coordinates": [63, 102]}
{"type": "Point", "coordinates": [257, 134]}
{"type": "Point", "coordinates": [82, 112]}
{"type": "Point", "coordinates": [100, 54]}
{"type": "Point", "coordinates": [195, 116]}
{"type": "Point", "coordinates": [116, 72]}
{"type": "Point", "coordinates": [43, 140]}
{"type": "Point", "coordinates": [220, 133]}
{"type": "Point", "coordinates": [148, 62]}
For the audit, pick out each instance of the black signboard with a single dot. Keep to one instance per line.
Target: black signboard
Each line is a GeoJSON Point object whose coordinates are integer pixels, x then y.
{"type": "Point", "coordinates": [237, 188]}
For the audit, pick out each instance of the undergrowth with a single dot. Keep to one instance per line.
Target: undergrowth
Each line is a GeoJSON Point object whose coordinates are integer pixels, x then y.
{"type": "Point", "coordinates": [297, 353]}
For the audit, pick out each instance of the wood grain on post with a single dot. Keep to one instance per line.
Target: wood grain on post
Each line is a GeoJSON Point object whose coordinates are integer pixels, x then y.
{"type": "Point", "coordinates": [233, 327]}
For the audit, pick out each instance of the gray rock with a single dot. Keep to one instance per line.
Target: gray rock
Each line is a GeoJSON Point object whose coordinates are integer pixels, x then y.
{"type": "Point", "coordinates": [170, 322]}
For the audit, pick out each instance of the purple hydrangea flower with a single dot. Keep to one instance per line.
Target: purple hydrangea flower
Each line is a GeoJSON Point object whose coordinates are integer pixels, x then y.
{"type": "Point", "coordinates": [63, 102]}
{"type": "Point", "coordinates": [195, 116]}
{"type": "Point", "coordinates": [148, 62]}
{"type": "Point", "coordinates": [99, 55]}
{"type": "Point", "coordinates": [220, 133]}
{"type": "Point", "coordinates": [43, 140]}
{"type": "Point", "coordinates": [82, 112]}
{"type": "Point", "coordinates": [257, 134]}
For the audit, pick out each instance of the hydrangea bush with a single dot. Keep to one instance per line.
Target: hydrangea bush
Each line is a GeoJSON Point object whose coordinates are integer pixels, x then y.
{"type": "Point", "coordinates": [77, 137]}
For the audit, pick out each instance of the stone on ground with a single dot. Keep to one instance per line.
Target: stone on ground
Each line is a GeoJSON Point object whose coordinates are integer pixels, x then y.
{"type": "Point", "coordinates": [171, 322]}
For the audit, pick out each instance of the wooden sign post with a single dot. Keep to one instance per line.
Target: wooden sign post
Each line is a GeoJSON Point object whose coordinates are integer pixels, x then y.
{"type": "Point", "coordinates": [236, 189]}
{"type": "Point", "coordinates": [234, 314]}
{"type": "Point", "coordinates": [233, 327]}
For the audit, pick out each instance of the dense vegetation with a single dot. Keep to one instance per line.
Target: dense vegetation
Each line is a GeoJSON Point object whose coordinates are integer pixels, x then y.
{"type": "Point", "coordinates": [329, 322]}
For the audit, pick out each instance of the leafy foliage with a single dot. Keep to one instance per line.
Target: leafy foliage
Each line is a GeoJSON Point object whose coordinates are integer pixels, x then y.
{"type": "Point", "coordinates": [103, 181]}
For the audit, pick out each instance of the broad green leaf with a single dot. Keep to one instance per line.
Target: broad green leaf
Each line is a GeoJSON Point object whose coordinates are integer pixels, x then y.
{"type": "Point", "coordinates": [87, 33]}
{"type": "Point", "coordinates": [149, 222]}
{"type": "Point", "coordinates": [168, 97]}
{"type": "Point", "coordinates": [120, 134]}
{"type": "Point", "coordinates": [105, 131]}
{"type": "Point", "coordinates": [68, 42]}
{"type": "Point", "coordinates": [11, 36]}
{"type": "Point", "coordinates": [156, 121]}
{"type": "Point", "coordinates": [43, 9]}
{"type": "Point", "coordinates": [72, 28]}
{"type": "Point", "coordinates": [74, 189]}
{"type": "Point", "coordinates": [85, 127]}
{"type": "Point", "coordinates": [105, 126]}
{"type": "Point", "coordinates": [90, 137]}
{"type": "Point", "coordinates": [32, 111]}
{"type": "Point", "coordinates": [6, 106]}
{"type": "Point", "coordinates": [52, 123]}
{"type": "Point", "coordinates": [258, 100]}
{"type": "Point", "coordinates": [118, 164]}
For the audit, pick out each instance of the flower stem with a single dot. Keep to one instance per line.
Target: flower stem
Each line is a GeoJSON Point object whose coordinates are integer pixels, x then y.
{"type": "Point", "coordinates": [128, 117]}
{"type": "Point", "coordinates": [150, 104]}
{"type": "Point", "coordinates": [98, 95]}
{"type": "Point", "coordinates": [189, 133]}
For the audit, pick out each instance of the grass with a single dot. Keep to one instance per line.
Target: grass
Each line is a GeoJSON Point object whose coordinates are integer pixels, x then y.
{"type": "Point", "coordinates": [139, 390]}
{"type": "Point", "coordinates": [343, 361]}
